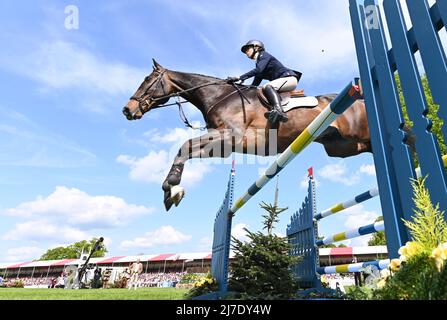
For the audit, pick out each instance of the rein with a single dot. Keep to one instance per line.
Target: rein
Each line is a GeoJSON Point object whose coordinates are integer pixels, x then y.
{"type": "Point", "coordinates": [179, 103]}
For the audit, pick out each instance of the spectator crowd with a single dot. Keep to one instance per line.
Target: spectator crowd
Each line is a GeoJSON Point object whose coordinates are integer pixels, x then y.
{"type": "Point", "coordinates": [160, 280]}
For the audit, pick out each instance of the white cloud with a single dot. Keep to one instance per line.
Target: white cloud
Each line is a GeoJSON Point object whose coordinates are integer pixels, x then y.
{"type": "Point", "coordinates": [304, 183]}
{"type": "Point", "coordinates": [303, 40]}
{"type": "Point", "coordinates": [357, 216]}
{"type": "Point", "coordinates": [62, 68]}
{"type": "Point", "coordinates": [22, 254]}
{"type": "Point", "coordinates": [354, 218]}
{"type": "Point", "coordinates": [239, 233]}
{"type": "Point", "coordinates": [205, 244]}
{"type": "Point", "coordinates": [154, 168]}
{"type": "Point", "coordinates": [361, 241]}
{"type": "Point", "coordinates": [166, 235]}
{"type": "Point", "coordinates": [368, 169]}
{"type": "Point", "coordinates": [174, 136]}
{"type": "Point", "coordinates": [64, 65]}
{"type": "Point", "coordinates": [74, 207]}
{"type": "Point", "coordinates": [314, 36]}
{"type": "Point", "coordinates": [207, 42]}
{"type": "Point", "coordinates": [339, 173]}
{"type": "Point", "coordinates": [108, 241]}
{"type": "Point", "coordinates": [41, 230]}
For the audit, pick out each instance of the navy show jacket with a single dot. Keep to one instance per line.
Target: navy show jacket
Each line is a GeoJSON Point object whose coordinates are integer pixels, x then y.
{"type": "Point", "coordinates": [269, 68]}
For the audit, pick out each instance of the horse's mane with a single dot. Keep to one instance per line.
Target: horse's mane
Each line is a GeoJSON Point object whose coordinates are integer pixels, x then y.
{"type": "Point", "coordinates": [209, 77]}
{"type": "Point", "coordinates": [197, 74]}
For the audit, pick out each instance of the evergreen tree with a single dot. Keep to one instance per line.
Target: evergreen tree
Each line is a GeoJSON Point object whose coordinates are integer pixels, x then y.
{"type": "Point", "coordinates": [262, 266]}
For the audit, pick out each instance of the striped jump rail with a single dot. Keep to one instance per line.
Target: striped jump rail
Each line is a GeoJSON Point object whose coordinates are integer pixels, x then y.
{"type": "Point", "coordinates": [354, 267]}
{"type": "Point", "coordinates": [348, 204]}
{"type": "Point", "coordinates": [369, 229]}
{"type": "Point", "coordinates": [374, 192]}
{"type": "Point", "coordinates": [342, 102]}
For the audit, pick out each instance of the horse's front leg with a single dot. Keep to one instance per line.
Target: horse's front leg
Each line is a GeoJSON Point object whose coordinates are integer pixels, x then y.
{"type": "Point", "coordinates": [214, 144]}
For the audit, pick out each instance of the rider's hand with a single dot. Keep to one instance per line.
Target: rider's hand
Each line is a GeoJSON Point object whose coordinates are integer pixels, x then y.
{"type": "Point", "coordinates": [232, 79]}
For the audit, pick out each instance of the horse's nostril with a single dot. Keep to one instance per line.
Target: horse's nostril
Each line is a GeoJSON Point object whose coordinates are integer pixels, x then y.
{"type": "Point", "coordinates": [126, 111]}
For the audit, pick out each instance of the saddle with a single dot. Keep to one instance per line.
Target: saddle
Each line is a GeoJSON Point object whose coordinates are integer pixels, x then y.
{"type": "Point", "coordinates": [298, 93]}
{"type": "Point", "coordinates": [291, 100]}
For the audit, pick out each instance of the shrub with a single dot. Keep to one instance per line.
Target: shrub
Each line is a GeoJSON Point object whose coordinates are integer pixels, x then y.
{"type": "Point", "coordinates": [262, 267]}
{"type": "Point", "coordinates": [420, 273]}
{"type": "Point", "coordinates": [17, 284]}
{"type": "Point", "coordinates": [203, 286]}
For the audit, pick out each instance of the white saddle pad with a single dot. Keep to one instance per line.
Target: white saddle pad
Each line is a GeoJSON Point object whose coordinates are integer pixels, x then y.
{"type": "Point", "coordinates": [293, 103]}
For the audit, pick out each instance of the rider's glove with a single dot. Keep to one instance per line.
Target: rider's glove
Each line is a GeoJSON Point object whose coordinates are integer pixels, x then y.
{"type": "Point", "coordinates": [232, 79]}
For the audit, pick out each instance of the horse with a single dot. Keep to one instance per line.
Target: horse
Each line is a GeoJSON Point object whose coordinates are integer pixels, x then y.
{"type": "Point", "coordinates": [235, 120]}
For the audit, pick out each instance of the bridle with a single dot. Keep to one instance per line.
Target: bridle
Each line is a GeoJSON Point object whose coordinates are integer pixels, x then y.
{"type": "Point", "coordinates": [146, 93]}
{"type": "Point", "coordinates": [144, 103]}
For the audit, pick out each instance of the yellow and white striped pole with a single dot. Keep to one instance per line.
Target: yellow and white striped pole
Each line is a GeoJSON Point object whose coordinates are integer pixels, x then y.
{"type": "Point", "coordinates": [342, 102]}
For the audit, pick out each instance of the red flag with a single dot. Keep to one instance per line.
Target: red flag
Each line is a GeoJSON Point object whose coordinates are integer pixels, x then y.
{"type": "Point", "coordinates": [310, 172]}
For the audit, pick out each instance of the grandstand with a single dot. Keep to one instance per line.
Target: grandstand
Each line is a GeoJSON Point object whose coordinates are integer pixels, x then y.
{"type": "Point", "coordinates": [159, 270]}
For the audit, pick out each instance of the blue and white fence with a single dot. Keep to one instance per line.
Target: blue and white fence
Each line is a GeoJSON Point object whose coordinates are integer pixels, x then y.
{"type": "Point", "coordinates": [379, 65]}
{"type": "Point", "coordinates": [302, 233]}
{"type": "Point", "coordinates": [220, 260]}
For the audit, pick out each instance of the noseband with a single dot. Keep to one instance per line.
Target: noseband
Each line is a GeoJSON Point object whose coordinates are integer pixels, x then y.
{"type": "Point", "coordinates": [153, 85]}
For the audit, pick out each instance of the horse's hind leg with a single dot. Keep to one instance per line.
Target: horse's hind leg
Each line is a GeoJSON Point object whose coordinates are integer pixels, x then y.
{"type": "Point", "coordinates": [344, 149]}
{"type": "Point", "coordinates": [214, 144]}
{"type": "Point", "coordinates": [337, 146]}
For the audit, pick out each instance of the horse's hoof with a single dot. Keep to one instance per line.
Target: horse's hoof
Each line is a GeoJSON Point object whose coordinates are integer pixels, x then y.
{"type": "Point", "coordinates": [168, 204]}
{"type": "Point", "coordinates": [177, 194]}
{"type": "Point", "coordinates": [167, 200]}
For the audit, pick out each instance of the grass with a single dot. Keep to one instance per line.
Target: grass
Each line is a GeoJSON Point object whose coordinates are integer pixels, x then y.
{"type": "Point", "coordinates": [93, 294]}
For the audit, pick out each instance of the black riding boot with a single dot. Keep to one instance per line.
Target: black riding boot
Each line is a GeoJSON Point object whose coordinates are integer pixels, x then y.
{"type": "Point", "coordinates": [276, 112]}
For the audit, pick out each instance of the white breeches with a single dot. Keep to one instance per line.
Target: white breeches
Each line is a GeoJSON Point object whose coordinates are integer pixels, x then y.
{"type": "Point", "coordinates": [283, 84]}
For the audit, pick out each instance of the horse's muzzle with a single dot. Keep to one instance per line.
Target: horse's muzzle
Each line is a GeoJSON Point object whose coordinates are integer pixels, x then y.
{"type": "Point", "coordinates": [127, 113]}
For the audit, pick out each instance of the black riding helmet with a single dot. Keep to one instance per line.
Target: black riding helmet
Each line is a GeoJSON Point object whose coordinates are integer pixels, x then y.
{"type": "Point", "coordinates": [252, 43]}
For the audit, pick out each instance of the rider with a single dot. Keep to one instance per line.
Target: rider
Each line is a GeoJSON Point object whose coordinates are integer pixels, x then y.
{"type": "Point", "coordinates": [281, 79]}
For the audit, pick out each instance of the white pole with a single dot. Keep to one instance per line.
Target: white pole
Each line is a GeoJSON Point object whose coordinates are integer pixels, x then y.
{"type": "Point", "coordinates": [46, 278]}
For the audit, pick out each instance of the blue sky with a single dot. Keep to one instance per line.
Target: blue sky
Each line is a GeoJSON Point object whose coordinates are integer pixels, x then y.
{"type": "Point", "coordinates": [71, 165]}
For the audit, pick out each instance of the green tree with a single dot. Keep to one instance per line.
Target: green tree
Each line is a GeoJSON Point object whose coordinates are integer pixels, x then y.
{"type": "Point", "coordinates": [379, 238]}
{"type": "Point", "coordinates": [74, 250]}
{"type": "Point", "coordinates": [432, 114]}
{"type": "Point", "coordinates": [262, 266]}
{"type": "Point", "coordinates": [272, 217]}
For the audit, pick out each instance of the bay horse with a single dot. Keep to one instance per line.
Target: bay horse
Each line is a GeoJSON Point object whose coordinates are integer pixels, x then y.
{"type": "Point", "coordinates": [235, 121]}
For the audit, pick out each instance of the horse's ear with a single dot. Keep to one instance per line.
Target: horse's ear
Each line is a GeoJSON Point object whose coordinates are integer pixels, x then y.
{"type": "Point", "coordinates": [157, 65]}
